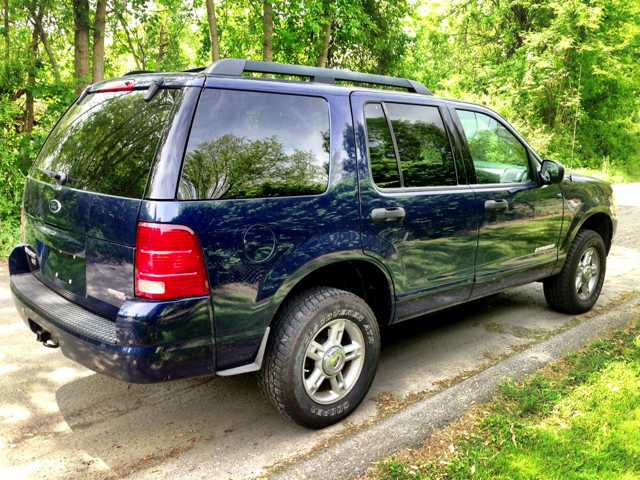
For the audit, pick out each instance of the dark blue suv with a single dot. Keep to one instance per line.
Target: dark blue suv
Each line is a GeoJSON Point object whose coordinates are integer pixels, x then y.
{"type": "Point", "coordinates": [209, 222]}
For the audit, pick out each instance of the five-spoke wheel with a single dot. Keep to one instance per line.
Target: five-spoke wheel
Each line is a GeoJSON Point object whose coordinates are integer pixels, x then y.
{"type": "Point", "coordinates": [587, 273]}
{"type": "Point", "coordinates": [577, 287]}
{"type": "Point", "coordinates": [321, 357]}
{"type": "Point", "coordinates": [333, 361]}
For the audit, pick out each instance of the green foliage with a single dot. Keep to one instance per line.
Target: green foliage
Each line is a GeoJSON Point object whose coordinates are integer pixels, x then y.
{"type": "Point", "coordinates": [546, 66]}
{"type": "Point", "coordinates": [543, 65]}
{"type": "Point", "coordinates": [9, 235]}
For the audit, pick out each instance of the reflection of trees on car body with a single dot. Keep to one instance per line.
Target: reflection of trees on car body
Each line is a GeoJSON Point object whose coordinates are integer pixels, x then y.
{"type": "Point", "coordinates": [236, 167]}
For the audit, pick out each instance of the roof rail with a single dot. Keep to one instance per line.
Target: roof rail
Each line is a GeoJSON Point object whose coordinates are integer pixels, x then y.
{"type": "Point", "coordinates": [136, 72]}
{"type": "Point", "coordinates": [236, 67]}
{"type": "Point", "coordinates": [194, 70]}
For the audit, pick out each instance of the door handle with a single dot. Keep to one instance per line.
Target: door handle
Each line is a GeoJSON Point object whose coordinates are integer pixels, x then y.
{"type": "Point", "coordinates": [389, 214]}
{"type": "Point", "coordinates": [496, 205]}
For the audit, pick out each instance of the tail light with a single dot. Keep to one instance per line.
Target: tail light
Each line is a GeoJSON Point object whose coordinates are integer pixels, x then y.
{"type": "Point", "coordinates": [21, 225]}
{"type": "Point", "coordinates": [169, 262]}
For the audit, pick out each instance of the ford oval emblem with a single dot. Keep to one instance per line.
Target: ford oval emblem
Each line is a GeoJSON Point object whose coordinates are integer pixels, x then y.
{"type": "Point", "coordinates": [55, 206]}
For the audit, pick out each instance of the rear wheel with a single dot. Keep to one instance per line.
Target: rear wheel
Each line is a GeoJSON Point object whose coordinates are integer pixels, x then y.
{"type": "Point", "coordinates": [321, 358]}
{"type": "Point", "coordinates": [577, 287]}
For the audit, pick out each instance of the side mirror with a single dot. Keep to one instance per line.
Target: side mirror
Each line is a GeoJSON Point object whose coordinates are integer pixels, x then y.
{"type": "Point", "coordinates": [551, 172]}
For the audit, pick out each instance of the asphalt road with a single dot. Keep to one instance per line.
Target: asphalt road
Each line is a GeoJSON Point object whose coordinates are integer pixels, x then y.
{"type": "Point", "coordinates": [60, 420]}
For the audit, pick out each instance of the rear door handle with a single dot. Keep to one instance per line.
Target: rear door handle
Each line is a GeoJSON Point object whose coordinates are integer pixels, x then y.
{"type": "Point", "coordinates": [496, 205]}
{"type": "Point", "coordinates": [390, 214]}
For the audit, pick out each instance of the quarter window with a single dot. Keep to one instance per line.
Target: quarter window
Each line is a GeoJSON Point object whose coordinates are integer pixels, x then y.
{"type": "Point", "coordinates": [421, 155]}
{"type": "Point", "coordinates": [498, 156]}
{"type": "Point", "coordinates": [250, 144]}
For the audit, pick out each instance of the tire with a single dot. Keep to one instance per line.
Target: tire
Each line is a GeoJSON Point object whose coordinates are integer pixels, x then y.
{"type": "Point", "coordinates": [577, 287]}
{"type": "Point", "coordinates": [313, 374]}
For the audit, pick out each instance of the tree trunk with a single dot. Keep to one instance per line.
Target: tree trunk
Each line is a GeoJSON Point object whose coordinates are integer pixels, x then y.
{"type": "Point", "coordinates": [37, 22]}
{"type": "Point", "coordinates": [213, 30]}
{"type": "Point", "coordinates": [140, 61]}
{"type": "Point", "coordinates": [31, 82]}
{"type": "Point", "coordinates": [81, 44]}
{"type": "Point", "coordinates": [161, 48]}
{"type": "Point", "coordinates": [97, 72]}
{"type": "Point", "coordinates": [6, 33]}
{"type": "Point", "coordinates": [267, 31]}
{"type": "Point", "coordinates": [325, 36]}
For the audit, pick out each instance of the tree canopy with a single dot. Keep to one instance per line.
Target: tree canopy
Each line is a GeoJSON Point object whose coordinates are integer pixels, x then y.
{"type": "Point", "coordinates": [566, 74]}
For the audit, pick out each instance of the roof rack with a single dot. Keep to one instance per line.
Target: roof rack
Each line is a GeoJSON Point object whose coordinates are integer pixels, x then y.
{"type": "Point", "coordinates": [194, 70]}
{"type": "Point", "coordinates": [236, 67]}
{"type": "Point", "coordinates": [137, 72]}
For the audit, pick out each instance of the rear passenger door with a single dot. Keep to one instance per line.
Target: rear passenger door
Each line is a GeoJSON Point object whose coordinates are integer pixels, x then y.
{"type": "Point", "coordinates": [519, 220]}
{"type": "Point", "coordinates": [418, 215]}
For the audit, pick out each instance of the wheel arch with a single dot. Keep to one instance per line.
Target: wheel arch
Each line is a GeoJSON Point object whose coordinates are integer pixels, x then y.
{"type": "Point", "coordinates": [601, 223]}
{"type": "Point", "coordinates": [365, 278]}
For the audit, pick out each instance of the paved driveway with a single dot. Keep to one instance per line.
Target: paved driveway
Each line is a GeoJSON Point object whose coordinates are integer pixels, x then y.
{"type": "Point", "coordinates": [58, 419]}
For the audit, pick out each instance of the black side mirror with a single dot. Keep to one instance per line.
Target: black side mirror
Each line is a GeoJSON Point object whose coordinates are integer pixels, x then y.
{"type": "Point", "coordinates": [551, 172]}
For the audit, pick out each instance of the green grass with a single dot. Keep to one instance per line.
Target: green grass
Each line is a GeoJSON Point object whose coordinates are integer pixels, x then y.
{"type": "Point", "coordinates": [581, 419]}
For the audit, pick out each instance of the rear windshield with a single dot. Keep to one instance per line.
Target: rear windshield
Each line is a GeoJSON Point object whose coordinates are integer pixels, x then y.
{"type": "Point", "coordinates": [106, 144]}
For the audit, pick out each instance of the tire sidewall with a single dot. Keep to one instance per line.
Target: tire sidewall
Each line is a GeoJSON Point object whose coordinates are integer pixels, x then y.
{"type": "Point", "coordinates": [321, 415]}
{"type": "Point", "coordinates": [595, 241]}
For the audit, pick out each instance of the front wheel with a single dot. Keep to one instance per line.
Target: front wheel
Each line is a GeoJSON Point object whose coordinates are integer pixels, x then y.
{"type": "Point", "coordinates": [577, 287]}
{"type": "Point", "coordinates": [321, 358]}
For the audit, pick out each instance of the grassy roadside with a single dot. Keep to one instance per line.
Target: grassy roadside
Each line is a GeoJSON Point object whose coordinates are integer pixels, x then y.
{"type": "Point", "coordinates": [577, 418]}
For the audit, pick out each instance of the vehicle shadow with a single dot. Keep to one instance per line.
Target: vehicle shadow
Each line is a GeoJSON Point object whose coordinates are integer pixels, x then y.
{"type": "Point", "coordinates": [224, 422]}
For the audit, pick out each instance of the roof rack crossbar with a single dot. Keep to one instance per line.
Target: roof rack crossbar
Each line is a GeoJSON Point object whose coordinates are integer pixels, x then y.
{"type": "Point", "coordinates": [236, 67]}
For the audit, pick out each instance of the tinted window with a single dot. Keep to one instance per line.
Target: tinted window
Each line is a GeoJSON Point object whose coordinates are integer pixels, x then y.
{"type": "Point", "coordinates": [107, 143]}
{"type": "Point", "coordinates": [249, 144]}
{"type": "Point", "coordinates": [498, 156]}
{"type": "Point", "coordinates": [384, 166]}
{"type": "Point", "coordinates": [425, 152]}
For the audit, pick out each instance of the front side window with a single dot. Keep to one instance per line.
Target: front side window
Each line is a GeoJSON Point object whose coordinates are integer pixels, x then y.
{"type": "Point", "coordinates": [251, 144]}
{"type": "Point", "coordinates": [498, 156]}
{"type": "Point", "coordinates": [421, 156]}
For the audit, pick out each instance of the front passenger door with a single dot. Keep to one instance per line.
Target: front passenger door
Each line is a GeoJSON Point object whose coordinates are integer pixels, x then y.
{"type": "Point", "coordinates": [519, 220]}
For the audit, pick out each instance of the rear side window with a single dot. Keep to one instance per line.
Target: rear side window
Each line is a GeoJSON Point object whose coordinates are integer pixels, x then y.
{"type": "Point", "coordinates": [107, 143]}
{"type": "Point", "coordinates": [421, 156]}
{"type": "Point", "coordinates": [252, 144]}
{"type": "Point", "coordinates": [384, 165]}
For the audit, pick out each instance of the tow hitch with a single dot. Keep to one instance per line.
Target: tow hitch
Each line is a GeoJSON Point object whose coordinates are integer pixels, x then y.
{"type": "Point", "coordinates": [47, 339]}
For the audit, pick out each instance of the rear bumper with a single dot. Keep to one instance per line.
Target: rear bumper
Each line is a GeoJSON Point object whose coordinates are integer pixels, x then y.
{"type": "Point", "coordinates": [148, 342]}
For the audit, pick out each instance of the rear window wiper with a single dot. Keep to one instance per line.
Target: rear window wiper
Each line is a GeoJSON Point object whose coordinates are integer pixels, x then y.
{"type": "Point", "coordinates": [61, 177]}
